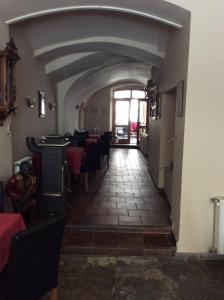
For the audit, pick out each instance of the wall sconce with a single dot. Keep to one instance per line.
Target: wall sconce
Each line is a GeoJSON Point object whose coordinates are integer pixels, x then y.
{"type": "Point", "coordinates": [77, 107]}
{"type": "Point", "coordinates": [30, 102]}
{"type": "Point", "coordinates": [42, 104]}
{"type": "Point", "coordinates": [51, 106]}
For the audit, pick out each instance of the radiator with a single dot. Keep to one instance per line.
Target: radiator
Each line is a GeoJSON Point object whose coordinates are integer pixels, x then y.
{"type": "Point", "coordinates": [218, 237]}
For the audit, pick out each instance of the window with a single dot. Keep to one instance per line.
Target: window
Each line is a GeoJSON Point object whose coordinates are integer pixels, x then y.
{"type": "Point", "coordinates": [137, 94]}
{"type": "Point", "coordinates": [129, 94]}
{"type": "Point", "coordinates": [123, 94]}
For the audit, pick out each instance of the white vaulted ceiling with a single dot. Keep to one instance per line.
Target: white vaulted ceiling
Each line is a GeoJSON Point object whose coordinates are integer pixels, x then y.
{"type": "Point", "coordinates": [86, 45]}
{"type": "Point", "coordinates": [14, 10]}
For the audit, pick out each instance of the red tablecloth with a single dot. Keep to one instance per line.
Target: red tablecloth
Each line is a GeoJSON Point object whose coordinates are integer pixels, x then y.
{"type": "Point", "coordinates": [75, 156]}
{"type": "Point", "coordinates": [10, 224]}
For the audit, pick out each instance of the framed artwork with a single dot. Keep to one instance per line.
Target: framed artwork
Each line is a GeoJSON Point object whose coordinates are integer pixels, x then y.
{"type": "Point", "coordinates": [8, 59]}
{"type": "Point", "coordinates": [42, 104]}
{"type": "Point", "coordinates": [180, 99]}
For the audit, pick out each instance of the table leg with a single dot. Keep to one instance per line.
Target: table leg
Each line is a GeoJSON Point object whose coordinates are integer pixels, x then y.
{"type": "Point", "coordinates": [54, 294]}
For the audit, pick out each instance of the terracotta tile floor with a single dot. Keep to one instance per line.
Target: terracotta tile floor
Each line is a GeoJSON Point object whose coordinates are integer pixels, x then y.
{"type": "Point", "coordinates": [124, 215]}
{"type": "Point", "coordinates": [125, 197]}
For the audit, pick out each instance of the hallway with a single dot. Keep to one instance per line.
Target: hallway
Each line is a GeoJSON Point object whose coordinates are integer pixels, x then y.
{"type": "Point", "coordinates": [125, 215]}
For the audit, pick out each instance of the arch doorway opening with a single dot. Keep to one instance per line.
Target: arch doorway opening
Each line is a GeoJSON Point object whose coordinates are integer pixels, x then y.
{"type": "Point", "coordinates": [130, 116]}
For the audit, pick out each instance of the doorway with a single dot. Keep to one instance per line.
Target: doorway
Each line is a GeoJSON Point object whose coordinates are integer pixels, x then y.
{"type": "Point", "coordinates": [130, 116]}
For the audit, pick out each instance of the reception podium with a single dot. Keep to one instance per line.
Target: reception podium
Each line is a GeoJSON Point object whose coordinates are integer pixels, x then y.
{"type": "Point", "coordinates": [53, 173]}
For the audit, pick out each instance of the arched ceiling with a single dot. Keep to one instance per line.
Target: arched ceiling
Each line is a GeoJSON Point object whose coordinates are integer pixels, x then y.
{"type": "Point", "coordinates": [79, 41]}
{"type": "Point", "coordinates": [106, 76]}
{"type": "Point", "coordinates": [67, 44]}
{"type": "Point", "coordinates": [15, 11]}
{"type": "Point", "coordinates": [130, 72]}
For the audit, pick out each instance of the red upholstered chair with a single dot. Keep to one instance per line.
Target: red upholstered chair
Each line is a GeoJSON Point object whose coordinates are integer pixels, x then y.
{"type": "Point", "coordinates": [134, 126]}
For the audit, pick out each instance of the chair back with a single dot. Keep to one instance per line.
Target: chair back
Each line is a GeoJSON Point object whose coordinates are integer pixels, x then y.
{"type": "Point", "coordinates": [73, 140]}
{"type": "Point", "coordinates": [78, 141]}
{"type": "Point", "coordinates": [84, 134]}
{"type": "Point", "coordinates": [34, 258]}
{"type": "Point", "coordinates": [108, 133]}
{"type": "Point", "coordinates": [93, 159]}
{"type": "Point", "coordinates": [105, 143]}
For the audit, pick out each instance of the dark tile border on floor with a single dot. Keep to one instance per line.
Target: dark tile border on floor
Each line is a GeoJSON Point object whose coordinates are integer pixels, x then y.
{"type": "Point", "coordinates": [117, 243]}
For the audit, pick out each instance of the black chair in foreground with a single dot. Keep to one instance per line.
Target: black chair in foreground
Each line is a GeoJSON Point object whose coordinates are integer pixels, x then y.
{"type": "Point", "coordinates": [32, 270]}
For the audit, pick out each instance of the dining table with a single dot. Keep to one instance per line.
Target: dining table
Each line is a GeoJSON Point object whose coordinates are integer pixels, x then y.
{"type": "Point", "coordinates": [10, 224]}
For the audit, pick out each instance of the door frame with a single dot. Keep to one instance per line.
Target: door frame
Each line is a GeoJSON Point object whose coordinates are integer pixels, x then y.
{"type": "Point", "coordinates": [147, 118]}
{"type": "Point", "coordinates": [129, 122]}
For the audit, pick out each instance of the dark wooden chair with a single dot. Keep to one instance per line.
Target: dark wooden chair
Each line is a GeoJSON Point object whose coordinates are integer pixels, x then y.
{"type": "Point", "coordinates": [81, 133]}
{"type": "Point", "coordinates": [91, 163]}
{"type": "Point", "coordinates": [78, 140]}
{"type": "Point", "coordinates": [74, 141]}
{"type": "Point", "coordinates": [32, 270]}
{"type": "Point", "coordinates": [105, 140]}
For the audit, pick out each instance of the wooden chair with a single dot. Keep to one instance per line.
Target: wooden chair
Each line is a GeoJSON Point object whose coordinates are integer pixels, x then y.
{"type": "Point", "coordinates": [105, 140]}
{"type": "Point", "coordinates": [78, 141]}
{"type": "Point", "coordinates": [32, 270]}
{"type": "Point", "coordinates": [91, 163]}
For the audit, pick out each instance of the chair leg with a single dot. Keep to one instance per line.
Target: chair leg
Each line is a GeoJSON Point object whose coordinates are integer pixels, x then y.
{"type": "Point", "coordinates": [98, 177]}
{"type": "Point", "coordinates": [108, 159]}
{"type": "Point", "coordinates": [86, 182]}
{"type": "Point", "coordinates": [54, 294]}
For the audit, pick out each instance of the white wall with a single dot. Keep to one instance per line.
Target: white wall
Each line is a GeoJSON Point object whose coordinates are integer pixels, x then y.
{"type": "Point", "coordinates": [203, 159]}
{"type": "Point", "coordinates": [160, 146]}
{"type": "Point", "coordinates": [5, 136]}
{"type": "Point", "coordinates": [30, 78]}
{"type": "Point", "coordinates": [172, 71]}
{"type": "Point", "coordinates": [168, 140]}
{"type": "Point", "coordinates": [100, 119]}
{"type": "Point", "coordinates": [4, 34]}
